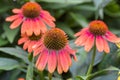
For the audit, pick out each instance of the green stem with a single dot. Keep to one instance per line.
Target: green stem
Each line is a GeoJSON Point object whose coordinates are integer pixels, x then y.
{"type": "Point", "coordinates": [50, 76]}
{"type": "Point", "coordinates": [41, 75]}
{"type": "Point", "coordinates": [92, 62]}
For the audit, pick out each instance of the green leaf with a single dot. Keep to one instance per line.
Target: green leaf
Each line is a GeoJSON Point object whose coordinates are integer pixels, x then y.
{"type": "Point", "coordinates": [18, 52]}
{"type": "Point", "coordinates": [102, 72]}
{"type": "Point", "coordinates": [81, 20]}
{"type": "Point", "coordinates": [3, 41]}
{"type": "Point", "coordinates": [29, 75]}
{"type": "Point", "coordinates": [66, 1]}
{"type": "Point", "coordinates": [8, 64]}
{"type": "Point", "coordinates": [10, 34]}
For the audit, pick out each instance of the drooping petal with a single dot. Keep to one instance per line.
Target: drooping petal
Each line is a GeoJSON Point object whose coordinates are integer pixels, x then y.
{"type": "Point", "coordinates": [52, 61]}
{"type": "Point", "coordinates": [64, 61]}
{"type": "Point", "coordinates": [106, 46]}
{"type": "Point", "coordinates": [24, 27]}
{"type": "Point", "coordinates": [68, 58]}
{"type": "Point", "coordinates": [43, 26]}
{"type": "Point", "coordinates": [99, 43]}
{"type": "Point", "coordinates": [48, 21]}
{"type": "Point", "coordinates": [89, 43]}
{"type": "Point", "coordinates": [112, 37]}
{"type": "Point", "coordinates": [83, 31]}
{"type": "Point", "coordinates": [59, 67]}
{"type": "Point", "coordinates": [12, 18]}
{"type": "Point", "coordinates": [82, 39]}
{"type": "Point", "coordinates": [42, 60]}
{"type": "Point", "coordinates": [29, 28]}
{"type": "Point", "coordinates": [47, 14]}
{"type": "Point", "coordinates": [26, 44]}
{"type": "Point", "coordinates": [37, 28]}
{"type": "Point", "coordinates": [16, 10]}
{"type": "Point", "coordinates": [22, 40]}
{"type": "Point", "coordinates": [16, 23]}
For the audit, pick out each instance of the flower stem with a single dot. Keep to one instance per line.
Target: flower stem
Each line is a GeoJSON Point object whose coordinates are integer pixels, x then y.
{"type": "Point", "coordinates": [41, 75]}
{"type": "Point", "coordinates": [50, 76]}
{"type": "Point", "coordinates": [92, 62]}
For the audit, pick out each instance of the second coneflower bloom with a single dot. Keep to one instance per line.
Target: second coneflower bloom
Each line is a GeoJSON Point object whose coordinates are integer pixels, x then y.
{"type": "Point", "coordinates": [96, 33]}
{"type": "Point", "coordinates": [54, 51]}
{"type": "Point", "coordinates": [32, 17]}
{"type": "Point", "coordinates": [29, 41]}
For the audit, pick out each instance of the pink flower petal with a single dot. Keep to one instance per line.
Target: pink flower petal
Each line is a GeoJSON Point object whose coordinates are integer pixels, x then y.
{"type": "Point", "coordinates": [16, 10]}
{"type": "Point", "coordinates": [12, 18]}
{"type": "Point", "coordinates": [112, 37]}
{"type": "Point", "coordinates": [22, 40]}
{"type": "Point", "coordinates": [89, 43]}
{"type": "Point", "coordinates": [29, 26]}
{"type": "Point", "coordinates": [24, 27]}
{"type": "Point", "coordinates": [16, 23]}
{"type": "Point", "coordinates": [64, 61]}
{"type": "Point", "coordinates": [106, 46]}
{"type": "Point", "coordinates": [48, 21]}
{"type": "Point", "coordinates": [68, 58]}
{"type": "Point", "coordinates": [43, 26]}
{"type": "Point", "coordinates": [99, 43]}
{"type": "Point", "coordinates": [42, 60]}
{"type": "Point", "coordinates": [59, 67]}
{"type": "Point", "coordinates": [47, 14]}
{"type": "Point", "coordinates": [52, 62]}
{"type": "Point", "coordinates": [80, 41]}
{"type": "Point", "coordinates": [83, 31]}
{"type": "Point", "coordinates": [37, 28]}
{"type": "Point", "coordinates": [26, 44]}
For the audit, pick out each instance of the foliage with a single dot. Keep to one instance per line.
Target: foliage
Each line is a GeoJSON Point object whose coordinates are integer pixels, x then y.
{"type": "Point", "coordinates": [71, 16]}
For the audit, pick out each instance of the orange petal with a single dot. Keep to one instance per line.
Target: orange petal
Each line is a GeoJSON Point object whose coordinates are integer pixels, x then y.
{"type": "Point", "coordinates": [12, 18]}
{"type": "Point", "coordinates": [23, 28]}
{"type": "Point", "coordinates": [16, 23]}
{"type": "Point", "coordinates": [112, 37]}
{"type": "Point", "coordinates": [48, 21]}
{"type": "Point", "coordinates": [37, 28]}
{"type": "Point", "coordinates": [59, 67]}
{"type": "Point", "coordinates": [52, 62]}
{"type": "Point", "coordinates": [99, 43]}
{"type": "Point", "coordinates": [64, 62]}
{"type": "Point", "coordinates": [68, 58]}
{"type": "Point", "coordinates": [43, 26]}
{"type": "Point", "coordinates": [22, 40]}
{"type": "Point", "coordinates": [29, 30]}
{"type": "Point", "coordinates": [16, 10]}
{"type": "Point", "coordinates": [83, 31]}
{"type": "Point", "coordinates": [43, 58]}
{"type": "Point", "coordinates": [26, 44]}
{"type": "Point", "coordinates": [89, 43]}
{"type": "Point", "coordinates": [106, 46]}
{"type": "Point", "coordinates": [47, 14]}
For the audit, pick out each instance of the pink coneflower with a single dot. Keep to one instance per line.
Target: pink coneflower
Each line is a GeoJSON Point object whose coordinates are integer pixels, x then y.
{"type": "Point", "coordinates": [54, 51]}
{"type": "Point", "coordinates": [29, 41]}
{"type": "Point", "coordinates": [96, 33]}
{"type": "Point", "coordinates": [32, 17]}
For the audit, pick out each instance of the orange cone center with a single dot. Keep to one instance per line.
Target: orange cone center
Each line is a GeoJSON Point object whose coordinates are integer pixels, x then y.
{"type": "Point", "coordinates": [55, 39]}
{"type": "Point", "coordinates": [98, 27]}
{"type": "Point", "coordinates": [31, 9]}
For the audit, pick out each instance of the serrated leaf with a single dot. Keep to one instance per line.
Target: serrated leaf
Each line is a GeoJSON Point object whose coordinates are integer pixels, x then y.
{"type": "Point", "coordinates": [10, 34]}
{"type": "Point", "coordinates": [16, 52]}
{"type": "Point", "coordinates": [8, 64]}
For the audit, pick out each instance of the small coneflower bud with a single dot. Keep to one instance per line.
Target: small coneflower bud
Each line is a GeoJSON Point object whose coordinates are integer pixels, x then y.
{"type": "Point", "coordinates": [98, 27]}
{"type": "Point", "coordinates": [31, 9]}
{"type": "Point", "coordinates": [55, 39]}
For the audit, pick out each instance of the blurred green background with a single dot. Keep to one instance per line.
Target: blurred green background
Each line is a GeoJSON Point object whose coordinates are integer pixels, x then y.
{"type": "Point", "coordinates": [71, 16]}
